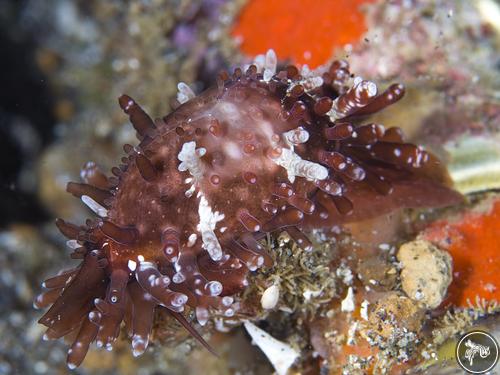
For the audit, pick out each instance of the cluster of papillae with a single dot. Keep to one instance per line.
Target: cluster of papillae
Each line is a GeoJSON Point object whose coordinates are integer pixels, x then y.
{"type": "Point", "coordinates": [179, 222]}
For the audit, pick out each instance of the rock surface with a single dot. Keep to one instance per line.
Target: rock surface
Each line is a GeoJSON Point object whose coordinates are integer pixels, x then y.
{"type": "Point", "coordinates": [426, 272]}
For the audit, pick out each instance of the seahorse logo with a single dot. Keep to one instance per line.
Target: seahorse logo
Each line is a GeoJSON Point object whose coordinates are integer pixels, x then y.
{"type": "Point", "coordinates": [477, 352]}
{"type": "Point", "coordinates": [473, 349]}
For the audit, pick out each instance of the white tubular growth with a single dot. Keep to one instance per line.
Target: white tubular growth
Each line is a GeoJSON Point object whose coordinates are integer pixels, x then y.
{"type": "Point", "coordinates": [208, 222]}
{"type": "Point", "coordinates": [296, 136]}
{"type": "Point", "coordinates": [296, 166]}
{"type": "Point", "coordinates": [190, 158]}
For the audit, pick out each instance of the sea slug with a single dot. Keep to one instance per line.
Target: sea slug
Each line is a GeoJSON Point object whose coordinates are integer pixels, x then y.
{"type": "Point", "coordinates": [179, 223]}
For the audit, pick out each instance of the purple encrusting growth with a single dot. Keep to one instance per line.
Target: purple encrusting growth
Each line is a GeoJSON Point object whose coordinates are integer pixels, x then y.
{"type": "Point", "coordinates": [179, 221]}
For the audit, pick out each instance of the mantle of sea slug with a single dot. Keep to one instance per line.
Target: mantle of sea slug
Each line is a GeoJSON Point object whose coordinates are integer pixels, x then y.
{"type": "Point", "coordinates": [180, 222]}
{"type": "Point", "coordinates": [231, 168]}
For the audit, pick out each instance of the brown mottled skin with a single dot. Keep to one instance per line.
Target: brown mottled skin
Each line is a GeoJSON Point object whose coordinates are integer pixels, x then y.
{"type": "Point", "coordinates": [162, 203]}
{"type": "Point", "coordinates": [133, 256]}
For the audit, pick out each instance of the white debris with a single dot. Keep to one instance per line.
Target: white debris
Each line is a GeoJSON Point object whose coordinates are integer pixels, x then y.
{"type": "Point", "coordinates": [296, 166]}
{"type": "Point", "coordinates": [296, 136]}
{"type": "Point", "coordinates": [384, 246]}
{"type": "Point", "coordinates": [208, 222]}
{"type": "Point", "coordinates": [88, 170]}
{"type": "Point", "coordinates": [94, 206]}
{"type": "Point", "coordinates": [344, 272]}
{"type": "Point", "coordinates": [364, 309]}
{"type": "Point", "coordinates": [426, 355]}
{"type": "Point", "coordinates": [347, 304]}
{"type": "Point", "coordinates": [308, 294]}
{"type": "Point", "coordinates": [270, 297]}
{"type": "Point", "coordinates": [281, 355]}
{"type": "Point", "coordinates": [489, 287]}
{"type": "Point", "coordinates": [351, 333]}
{"type": "Point", "coordinates": [185, 93]}
{"type": "Point", "coordinates": [73, 244]}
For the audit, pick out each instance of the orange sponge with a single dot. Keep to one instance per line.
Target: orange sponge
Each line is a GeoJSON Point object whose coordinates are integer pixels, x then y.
{"type": "Point", "coordinates": [307, 32]}
{"type": "Point", "coordinates": [474, 243]}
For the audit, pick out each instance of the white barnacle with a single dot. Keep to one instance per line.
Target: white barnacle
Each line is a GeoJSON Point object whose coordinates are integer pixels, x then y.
{"type": "Point", "coordinates": [185, 93]}
{"type": "Point", "coordinates": [296, 166]}
{"type": "Point", "coordinates": [94, 206]}
{"type": "Point", "coordinates": [208, 222]}
{"type": "Point", "coordinates": [270, 297]}
{"type": "Point", "coordinates": [296, 136]}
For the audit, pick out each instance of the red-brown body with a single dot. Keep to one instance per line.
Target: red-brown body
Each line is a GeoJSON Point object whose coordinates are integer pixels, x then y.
{"type": "Point", "coordinates": [181, 219]}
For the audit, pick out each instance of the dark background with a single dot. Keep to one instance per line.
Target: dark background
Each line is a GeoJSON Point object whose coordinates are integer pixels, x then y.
{"type": "Point", "coordinates": [26, 116]}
